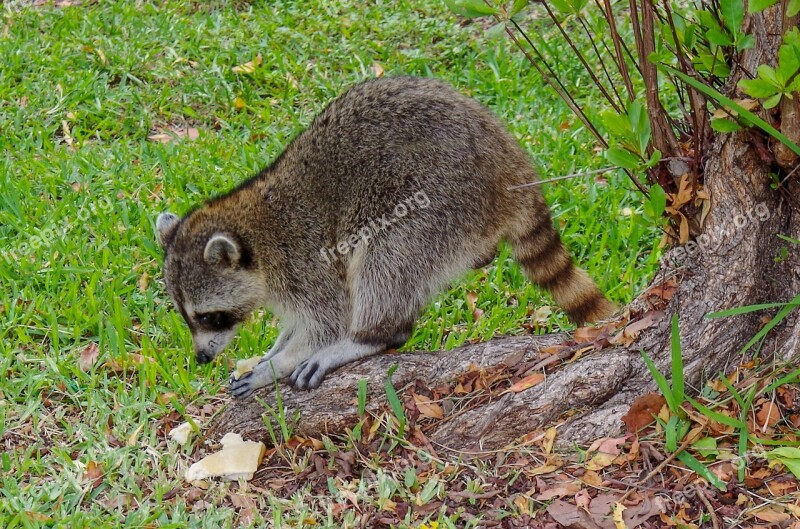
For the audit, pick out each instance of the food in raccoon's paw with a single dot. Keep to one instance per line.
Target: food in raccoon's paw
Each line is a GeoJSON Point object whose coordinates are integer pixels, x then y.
{"type": "Point", "coordinates": [245, 366]}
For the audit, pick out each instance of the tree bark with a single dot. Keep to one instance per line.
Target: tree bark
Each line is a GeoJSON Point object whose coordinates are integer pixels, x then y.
{"type": "Point", "coordinates": [738, 260]}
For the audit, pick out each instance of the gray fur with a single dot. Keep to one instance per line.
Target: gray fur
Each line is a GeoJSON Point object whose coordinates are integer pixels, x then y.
{"type": "Point", "coordinates": [398, 187]}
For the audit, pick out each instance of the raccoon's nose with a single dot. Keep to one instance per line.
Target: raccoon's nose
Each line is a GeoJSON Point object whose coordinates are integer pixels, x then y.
{"type": "Point", "coordinates": [204, 357]}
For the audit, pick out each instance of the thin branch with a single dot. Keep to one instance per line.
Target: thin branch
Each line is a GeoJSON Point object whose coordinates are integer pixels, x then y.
{"type": "Point", "coordinates": [618, 46]}
{"type": "Point", "coordinates": [565, 95]}
{"type": "Point", "coordinates": [663, 137]}
{"type": "Point", "coordinates": [581, 58]}
{"type": "Point", "coordinates": [696, 101]}
{"type": "Point", "coordinates": [554, 81]}
{"type": "Point", "coordinates": [600, 58]}
{"type": "Point", "coordinates": [565, 177]}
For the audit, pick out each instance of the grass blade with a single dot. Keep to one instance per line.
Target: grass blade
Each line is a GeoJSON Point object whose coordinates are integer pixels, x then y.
{"type": "Point", "coordinates": [677, 363]}
{"type": "Point", "coordinates": [744, 114]}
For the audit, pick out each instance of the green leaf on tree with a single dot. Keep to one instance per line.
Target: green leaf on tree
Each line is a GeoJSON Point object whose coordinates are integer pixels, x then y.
{"type": "Point", "coordinates": [470, 8]}
{"type": "Point", "coordinates": [518, 6]}
{"type": "Point", "coordinates": [757, 88]}
{"type": "Point", "coordinates": [754, 6]}
{"type": "Point", "coordinates": [725, 125]}
{"type": "Point", "coordinates": [622, 158]}
{"type": "Point", "coordinates": [732, 14]}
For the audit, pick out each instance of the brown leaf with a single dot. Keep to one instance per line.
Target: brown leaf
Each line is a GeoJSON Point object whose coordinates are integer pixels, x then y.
{"type": "Point", "coordinates": [88, 356]}
{"type": "Point", "coordinates": [249, 66]}
{"type": "Point", "coordinates": [549, 439]}
{"type": "Point", "coordinates": [632, 331]}
{"type": "Point", "coordinates": [642, 411]}
{"type": "Point", "coordinates": [472, 300]}
{"type": "Point", "coordinates": [772, 515]}
{"type": "Point", "coordinates": [527, 382]}
{"type": "Point", "coordinates": [174, 134]}
{"type": "Point", "coordinates": [567, 489]}
{"type": "Point", "coordinates": [427, 408]}
{"type": "Point", "coordinates": [685, 193]}
{"type": "Point", "coordinates": [131, 360]}
{"type": "Point", "coordinates": [664, 290]}
{"type": "Point", "coordinates": [636, 515]}
{"type": "Point", "coordinates": [377, 69]}
{"type": "Point", "coordinates": [607, 449]}
{"type": "Point", "coordinates": [768, 415]}
{"type": "Point", "coordinates": [144, 281]}
{"type": "Point", "coordinates": [241, 502]}
{"type": "Point", "coordinates": [724, 112]}
{"type": "Point", "coordinates": [684, 229]}
{"type": "Point", "coordinates": [568, 515]}
{"type": "Point", "coordinates": [118, 501]}
{"type": "Point", "coordinates": [94, 474]}
{"type": "Point", "coordinates": [594, 334]}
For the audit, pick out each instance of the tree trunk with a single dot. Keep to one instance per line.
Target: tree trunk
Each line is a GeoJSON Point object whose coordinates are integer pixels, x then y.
{"type": "Point", "coordinates": [738, 260]}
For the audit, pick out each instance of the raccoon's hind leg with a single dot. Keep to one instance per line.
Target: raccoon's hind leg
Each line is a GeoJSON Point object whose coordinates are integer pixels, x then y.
{"type": "Point", "coordinates": [546, 262]}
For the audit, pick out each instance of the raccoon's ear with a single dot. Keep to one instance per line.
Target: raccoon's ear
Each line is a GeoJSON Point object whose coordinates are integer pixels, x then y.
{"type": "Point", "coordinates": [166, 224]}
{"type": "Point", "coordinates": [221, 249]}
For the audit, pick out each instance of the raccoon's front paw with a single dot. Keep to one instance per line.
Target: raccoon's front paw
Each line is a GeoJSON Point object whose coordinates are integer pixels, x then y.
{"type": "Point", "coordinates": [244, 386]}
{"type": "Point", "coordinates": [309, 374]}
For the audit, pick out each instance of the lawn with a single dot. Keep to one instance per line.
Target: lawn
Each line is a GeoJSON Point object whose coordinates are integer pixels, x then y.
{"type": "Point", "coordinates": [115, 111]}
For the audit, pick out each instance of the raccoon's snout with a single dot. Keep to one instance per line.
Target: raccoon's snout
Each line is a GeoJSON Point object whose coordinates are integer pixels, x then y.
{"type": "Point", "coordinates": [204, 357]}
{"type": "Point", "coordinates": [208, 345]}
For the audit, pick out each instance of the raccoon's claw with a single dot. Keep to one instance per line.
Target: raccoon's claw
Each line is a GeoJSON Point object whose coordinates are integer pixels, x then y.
{"type": "Point", "coordinates": [308, 375]}
{"type": "Point", "coordinates": [242, 387]}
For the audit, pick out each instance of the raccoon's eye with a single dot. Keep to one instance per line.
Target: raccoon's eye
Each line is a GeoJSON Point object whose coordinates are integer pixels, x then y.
{"type": "Point", "coordinates": [216, 321]}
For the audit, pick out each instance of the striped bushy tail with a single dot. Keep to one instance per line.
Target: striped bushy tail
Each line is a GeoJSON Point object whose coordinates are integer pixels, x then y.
{"type": "Point", "coordinates": [546, 262]}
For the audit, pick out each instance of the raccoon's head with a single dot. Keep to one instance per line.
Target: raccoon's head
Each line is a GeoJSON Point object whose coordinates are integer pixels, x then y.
{"type": "Point", "coordinates": [211, 278]}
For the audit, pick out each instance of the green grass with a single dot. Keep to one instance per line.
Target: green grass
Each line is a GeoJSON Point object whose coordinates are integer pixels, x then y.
{"type": "Point", "coordinates": [82, 88]}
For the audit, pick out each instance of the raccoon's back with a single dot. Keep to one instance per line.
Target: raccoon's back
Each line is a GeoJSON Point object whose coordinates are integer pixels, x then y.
{"type": "Point", "coordinates": [386, 139]}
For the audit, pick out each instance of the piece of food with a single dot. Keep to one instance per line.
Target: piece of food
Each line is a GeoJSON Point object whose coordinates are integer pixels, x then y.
{"type": "Point", "coordinates": [237, 460]}
{"type": "Point", "coordinates": [180, 434]}
{"type": "Point", "coordinates": [245, 366]}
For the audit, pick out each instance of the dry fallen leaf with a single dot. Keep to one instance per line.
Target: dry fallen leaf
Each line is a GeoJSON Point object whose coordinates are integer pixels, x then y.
{"type": "Point", "coordinates": [768, 415]}
{"type": "Point", "coordinates": [93, 473]}
{"type": "Point", "coordinates": [642, 411]}
{"type": "Point", "coordinates": [377, 69]}
{"type": "Point", "coordinates": [174, 134]}
{"type": "Point", "coordinates": [119, 365]}
{"type": "Point", "coordinates": [631, 332]}
{"type": "Point", "coordinates": [567, 489]}
{"type": "Point", "coordinates": [772, 515]}
{"type": "Point", "coordinates": [527, 382]}
{"type": "Point", "coordinates": [249, 66]}
{"type": "Point", "coordinates": [144, 281]}
{"type": "Point", "coordinates": [607, 449]}
{"type": "Point", "coordinates": [747, 104]}
{"type": "Point", "coordinates": [427, 408]}
{"type": "Point", "coordinates": [88, 356]}
{"type": "Point", "coordinates": [549, 439]}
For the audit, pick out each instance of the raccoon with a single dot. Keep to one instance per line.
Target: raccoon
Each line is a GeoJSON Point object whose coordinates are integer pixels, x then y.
{"type": "Point", "coordinates": [398, 187]}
